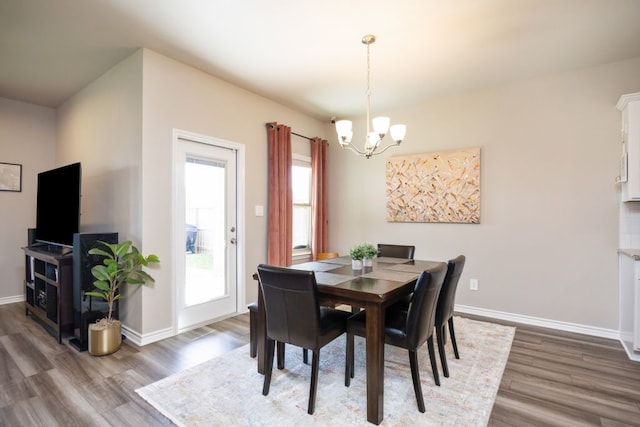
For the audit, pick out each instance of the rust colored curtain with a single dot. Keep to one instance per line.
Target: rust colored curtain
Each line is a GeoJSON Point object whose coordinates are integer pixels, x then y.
{"type": "Point", "coordinates": [319, 197]}
{"type": "Point", "coordinates": [280, 234]}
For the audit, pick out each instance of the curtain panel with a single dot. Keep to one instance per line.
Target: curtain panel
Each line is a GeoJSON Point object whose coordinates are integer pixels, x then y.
{"type": "Point", "coordinates": [280, 234]}
{"type": "Point", "coordinates": [319, 197]}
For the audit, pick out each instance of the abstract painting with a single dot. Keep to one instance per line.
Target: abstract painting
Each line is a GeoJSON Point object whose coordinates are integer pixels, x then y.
{"type": "Point", "coordinates": [434, 187]}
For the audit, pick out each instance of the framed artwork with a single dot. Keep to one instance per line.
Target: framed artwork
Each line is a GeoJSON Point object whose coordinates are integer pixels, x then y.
{"type": "Point", "coordinates": [10, 177]}
{"type": "Point", "coordinates": [434, 187]}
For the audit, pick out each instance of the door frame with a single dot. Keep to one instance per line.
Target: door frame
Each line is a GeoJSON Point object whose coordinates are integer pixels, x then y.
{"type": "Point", "coordinates": [177, 236]}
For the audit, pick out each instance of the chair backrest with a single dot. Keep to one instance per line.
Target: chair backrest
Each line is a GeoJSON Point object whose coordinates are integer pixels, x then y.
{"type": "Point", "coordinates": [446, 300]}
{"type": "Point", "coordinates": [327, 255]}
{"type": "Point", "coordinates": [291, 305]}
{"type": "Point", "coordinates": [396, 251]}
{"type": "Point", "coordinates": [422, 310]}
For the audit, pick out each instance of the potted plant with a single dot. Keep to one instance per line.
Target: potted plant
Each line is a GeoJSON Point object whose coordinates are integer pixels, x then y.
{"type": "Point", "coordinates": [357, 254]}
{"type": "Point", "coordinates": [122, 265]}
{"type": "Point", "coordinates": [369, 251]}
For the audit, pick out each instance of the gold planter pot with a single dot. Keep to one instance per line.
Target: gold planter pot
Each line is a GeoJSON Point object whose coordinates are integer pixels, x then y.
{"type": "Point", "coordinates": [105, 338]}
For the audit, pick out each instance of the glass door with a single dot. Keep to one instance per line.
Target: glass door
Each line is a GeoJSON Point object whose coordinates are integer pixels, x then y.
{"type": "Point", "coordinates": [206, 256]}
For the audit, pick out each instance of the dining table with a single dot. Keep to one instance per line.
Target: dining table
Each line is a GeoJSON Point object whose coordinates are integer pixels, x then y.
{"type": "Point", "coordinates": [373, 289]}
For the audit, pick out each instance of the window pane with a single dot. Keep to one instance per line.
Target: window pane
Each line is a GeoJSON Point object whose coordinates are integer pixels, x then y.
{"type": "Point", "coordinates": [301, 184]}
{"type": "Point", "coordinates": [301, 226]}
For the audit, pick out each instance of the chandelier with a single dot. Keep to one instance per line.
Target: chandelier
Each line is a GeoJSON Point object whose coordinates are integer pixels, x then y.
{"type": "Point", "coordinates": [373, 141]}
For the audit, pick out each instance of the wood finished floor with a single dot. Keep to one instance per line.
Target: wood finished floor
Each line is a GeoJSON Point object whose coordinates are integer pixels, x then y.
{"type": "Point", "coordinates": [551, 379]}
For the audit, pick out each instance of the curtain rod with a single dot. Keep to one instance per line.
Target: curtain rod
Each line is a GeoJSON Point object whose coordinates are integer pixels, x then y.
{"type": "Point", "coordinates": [293, 133]}
{"type": "Point", "coordinates": [301, 136]}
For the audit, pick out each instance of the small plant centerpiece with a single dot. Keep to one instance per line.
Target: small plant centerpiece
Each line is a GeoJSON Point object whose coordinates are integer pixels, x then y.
{"type": "Point", "coordinates": [370, 252]}
{"type": "Point", "coordinates": [357, 254]}
{"type": "Point", "coordinates": [122, 264]}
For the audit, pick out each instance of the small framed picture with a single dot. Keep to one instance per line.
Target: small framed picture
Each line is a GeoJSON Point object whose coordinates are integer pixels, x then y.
{"type": "Point", "coordinates": [10, 177]}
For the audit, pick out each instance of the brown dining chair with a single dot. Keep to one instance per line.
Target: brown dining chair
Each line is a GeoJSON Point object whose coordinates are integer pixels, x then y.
{"type": "Point", "coordinates": [295, 317]}
{"type": "Point", "coordinates": [444, 309]}
{"type": "Point", "coordinates": [408, 329]}
{"type": "Point", "coordinates": [396, 251]}
{"type": "Point", "coordinates": [253, 337]}
{"type": "Point", "coordinates": [326, 255]}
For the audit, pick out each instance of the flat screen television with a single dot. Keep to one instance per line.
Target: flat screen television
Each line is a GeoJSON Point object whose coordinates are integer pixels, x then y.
{"type": "Point", "coordinates": [58, 205]}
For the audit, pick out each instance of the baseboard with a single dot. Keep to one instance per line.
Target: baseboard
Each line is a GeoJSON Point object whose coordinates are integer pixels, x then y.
{"type": "Point", "coordinates": [628, 348]}
{"type": "Point", "coordinates": [545, 323]}
{"type": "Point", "coordinates": [141, 340]}
{"type": "Point", "coordinates": [11, 300]}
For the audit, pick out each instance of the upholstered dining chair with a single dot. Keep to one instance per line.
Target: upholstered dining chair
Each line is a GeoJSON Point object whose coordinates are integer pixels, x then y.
{"type": "Point", "coordinates": [253, 334]}
{"type": "Point", "coordinates": [253, 338]}
{"type": "Point", "coordinates": [444, 309]}
{"type": "Point", "coordinates": [408, 329]}
{"type": "Point", "coordinates": [396, 251]}
{"type": "Point", "coordinates": [294, 316]}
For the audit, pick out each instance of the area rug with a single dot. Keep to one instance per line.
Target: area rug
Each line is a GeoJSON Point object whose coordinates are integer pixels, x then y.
{"type": "Point", "coordinates": [227, 390]}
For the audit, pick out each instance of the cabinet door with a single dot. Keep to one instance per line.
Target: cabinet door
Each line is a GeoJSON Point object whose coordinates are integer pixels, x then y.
{"type": "Point", "coordinates": [630, 107]}
{"type": "Point", "coordinates": [636, 307]}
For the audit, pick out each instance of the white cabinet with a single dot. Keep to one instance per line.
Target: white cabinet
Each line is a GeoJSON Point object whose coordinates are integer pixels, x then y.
{"type": "Point", "coordinates": [630, 302]}
{"type": "Point", "coordinates": [630, 162]}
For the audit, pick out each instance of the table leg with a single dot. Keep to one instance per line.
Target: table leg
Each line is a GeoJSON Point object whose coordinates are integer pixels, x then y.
{"type": "Point", "coordinates": [375, 363]}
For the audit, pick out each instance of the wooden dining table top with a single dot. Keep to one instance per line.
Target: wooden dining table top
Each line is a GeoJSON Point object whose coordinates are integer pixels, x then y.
{"type": "Point", "coordinates": [381, 281]}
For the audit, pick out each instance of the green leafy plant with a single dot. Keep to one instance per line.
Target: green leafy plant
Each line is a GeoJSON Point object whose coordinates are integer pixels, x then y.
{"type": "Point", "coordinates": [356, 252]}
{"type": "Point", "coordinates": [122, 264]}
{"type": "Point", "coordinates": [369, 250]}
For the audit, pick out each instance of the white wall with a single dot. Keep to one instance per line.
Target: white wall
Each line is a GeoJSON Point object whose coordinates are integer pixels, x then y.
{"type": "Point", "coordinates": [546, 245]}
{"type": "Point", "coordinates": [27, 137]}
{"type": "Point", "coordinates": [180, 97]}
{"type": "Point", "coordinates": [101, 127]}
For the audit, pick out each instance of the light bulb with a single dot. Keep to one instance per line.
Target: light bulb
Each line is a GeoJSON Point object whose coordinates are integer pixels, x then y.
{"type": "Point", "coordinates": [398, 132]}
{"type": "Point", "coordinates": [381, 125]}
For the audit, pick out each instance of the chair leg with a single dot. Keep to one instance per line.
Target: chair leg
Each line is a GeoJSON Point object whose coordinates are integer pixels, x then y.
{"type": "Point", "coordinates": [253, 334]}
{"type": "Point", "coordinates": [314, 381]}
{"type": "Point", "coordinates": [443, 356]}
{"type": "Point", "coordinates": [415, 376]}
{"type": "Point", "coordinates": [280, 347]}
{"type": "Point", "coordinates": [453, 338]}
{"type": "Point", "coordinates": [432, 357]}
{"type": "Point", "coordinates": [348, 361]}
{"type": "Point", "coordinates": [305, 356]}
{"type": "Point", "coordinates": [268, 366]}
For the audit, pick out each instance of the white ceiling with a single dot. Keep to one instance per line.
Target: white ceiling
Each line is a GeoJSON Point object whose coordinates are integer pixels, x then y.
{"type": "Point", "coordinates": [307, 53]}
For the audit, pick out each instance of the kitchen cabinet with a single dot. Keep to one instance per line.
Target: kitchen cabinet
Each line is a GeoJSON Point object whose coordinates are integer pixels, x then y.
{"type": "Point", "coordinates": [629, 105]}
{"type": "Point", "coordinates": [630, 302]}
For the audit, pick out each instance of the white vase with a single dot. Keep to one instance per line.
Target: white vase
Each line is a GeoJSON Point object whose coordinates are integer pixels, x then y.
{"type": "Point", "coordinates": [356, 264]}
{"type": "Point", "coordinates": [367, 262]}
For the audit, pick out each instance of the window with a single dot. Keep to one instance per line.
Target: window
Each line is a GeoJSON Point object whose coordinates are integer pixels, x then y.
{"type": "Point", "coordinates": [301, 186]}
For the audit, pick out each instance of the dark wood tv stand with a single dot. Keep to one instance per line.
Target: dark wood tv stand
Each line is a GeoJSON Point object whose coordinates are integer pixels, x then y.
{"type": "Point", "coordinates": [49, 287]}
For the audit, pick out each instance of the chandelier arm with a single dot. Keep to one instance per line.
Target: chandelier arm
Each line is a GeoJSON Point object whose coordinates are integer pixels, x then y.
{"type": "Point", "coordinates": [353, 148]}
{"type": "Point", "coordinates": [376, 151]}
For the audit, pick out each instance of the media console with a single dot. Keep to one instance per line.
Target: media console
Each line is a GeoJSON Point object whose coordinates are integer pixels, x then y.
{"type": "Point", "coordinates": [49, 288]}
{"type": "Point", "coordinates": [56, 279]}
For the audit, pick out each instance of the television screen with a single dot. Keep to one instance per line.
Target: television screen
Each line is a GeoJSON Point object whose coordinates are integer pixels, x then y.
{"type": "Point", "coordinates": [58, 205]}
